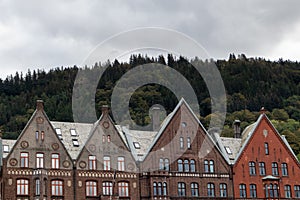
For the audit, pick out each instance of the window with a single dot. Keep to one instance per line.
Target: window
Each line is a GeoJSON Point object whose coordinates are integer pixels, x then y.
{"type": "Point", "coordinates": [121, 163]}
{"type": "Point", "coordinates": [253, 191]}
{"type": "Point", "coordinates": [276, 190]}
{"type": "Point", "coordinates": [210, 190]}
{"type": "Point", "coordinates": [266, 148]}
{"type": "Point", "coordinates": [42, 135]}
{"type": "Point", "coordinates": [39, 160]}
{"type": "Point", "coordinates": [55, 161]}
{"type": "Point", "coordinates": [186, 166]}
{"type": "Point", "coordinates": [165, 191]}
{"type": "Point", "coordinates": [228, 150]}
{"type": "Point", "coordinates": [91, 188]}
{"type": "Point", "coordinates": [287, 191]}
{"type": "Point", "coordinates": [106, 163]}
{"type": "Point", "coordinates": [161, 164]}
{"type": "Point", "coordinates": [297, 191]}
{"type": "Point", "coordinates": [58, 131]}
{"type": "Point", "coordinates": [107, 188]}
{"type": "Point", "coordinates": [188, 140]}
{"type": "Point", "coordinates": [75, 142]}
{"type": "Point", "coordinates": [103, 138]}
{"type": "Point", "coordinates": [194, 189]}
{"type": "Point", "coordinates": [108, 138]}
{"type": "Point", "coordinates": [166, 166]}
{"type": "Point", "coordinates": [5, 148]}
{"type": "Point", "coordinates": [136, 145]}
{"type": "Point", "coordinates": [159, 189]}
{"type": "Point", "coordinates": [24, 159]}
{"type": "Point", "coordinates": [211, 166]}
{"type": "Point", "coordinates": [223, 190]}
{"type": "Point", "coordinates": [92, 162]}
{"type": "Point", "coordinates": [36, 135]}
{"type": "Point", "coordinates": [262, 169]}
{"type": "Point", "coordinates": [22, 187]}
{"type": "Point", "coordinates": [123, 189]}
{"type": "Point", "coordinates": [180, 165]}
{"type": "Point", "coordinates": [193, 166]}
{"type": "Point", "coordinates": [181, 142]}
{"type": "Point", "coordinates": [243, 193]}
{"type": "Point", "coordinates": [73, 132]}
{"type": "Point", "coordinates": [57, 188]}
{"type": "Point", "coordinates": [206, 168]}
{"type": "Point", "coordinates": [37, 187]}
{"type": "Point", "coordinates": [284, 169]}
{"type": "Point", "coordinates": [274, 169]}
{"type": "Point", "coordinates": [181, 189]}
{"type": "Point", "coordinates": [252, 170]}
{"type": "Point", "coordinates": [154, 189]}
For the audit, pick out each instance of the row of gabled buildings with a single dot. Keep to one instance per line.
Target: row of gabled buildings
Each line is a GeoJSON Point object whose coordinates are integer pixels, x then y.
{"type": "Point", "coordinates": [177, 160]}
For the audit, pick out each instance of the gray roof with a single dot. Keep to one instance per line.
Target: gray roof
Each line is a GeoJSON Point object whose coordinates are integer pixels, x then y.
{"type": "Point", "coordinates": [82, 133]}
{"type": "Point", "coordinates": [231, 147]}
{"type": "Point", "coordinates": [10, 144]}
{"type": "Point", "coordinates": [139, 141]}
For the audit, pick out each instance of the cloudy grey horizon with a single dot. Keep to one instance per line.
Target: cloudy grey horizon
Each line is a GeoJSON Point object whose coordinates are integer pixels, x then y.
{"type": "Point", "coordinates": [49, 34]}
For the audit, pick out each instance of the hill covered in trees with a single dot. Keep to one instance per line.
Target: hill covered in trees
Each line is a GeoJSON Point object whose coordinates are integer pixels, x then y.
{"type": "Point", "coordinates": [250, 83]}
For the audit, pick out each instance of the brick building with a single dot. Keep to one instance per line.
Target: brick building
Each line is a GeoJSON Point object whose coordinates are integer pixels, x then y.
{"type": "Point", "coordinates": [178, 159]}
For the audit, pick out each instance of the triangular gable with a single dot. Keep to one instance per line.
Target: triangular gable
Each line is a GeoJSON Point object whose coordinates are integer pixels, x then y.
{"type": "Point", "coordinates": [46, 142]}
{"type": "Point", "coordinates": [250, 134]}
{"type": "Point", "coordinates": [169, 118]}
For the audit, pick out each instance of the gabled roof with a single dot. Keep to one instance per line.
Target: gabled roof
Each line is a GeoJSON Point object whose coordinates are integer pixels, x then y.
{"type": "Point", "coordinates": [168, 120]}
{"type": "Point", "coordinates": [248, 134]}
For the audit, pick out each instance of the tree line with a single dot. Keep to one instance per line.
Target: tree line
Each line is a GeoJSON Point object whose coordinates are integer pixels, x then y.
{"type": "Point", "coordinates": [250, 83]}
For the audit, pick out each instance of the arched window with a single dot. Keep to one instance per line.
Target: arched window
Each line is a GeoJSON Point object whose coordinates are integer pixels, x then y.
{"type": "Point", "coordinates": [166, 166]}
{"type": "Point", "coordinates": [181, 189]}
{"type": "Point", "coordinates": [211, 166]}
{"type": "Point", "coordinates": [274, 169]}
{"type": "Point", "coordinates": [194, 190]}
{"type": "Point", "coordinates": [186, 165]}
{"type": "Point", "coordinates": [37, 187]}
{"type": "Point", "coordinates": [253, 191]}
{"type": "Point", "coordinates": [262, 169]}
{"type": "Point", "coordinates": [188, 140]}
{"type": "Point", "coordinates": [276, 190]}
{"type": "Point", "coordinates": [154, 189]}
{"type": "Point", "coordinates": [284, 169]}
{"type": "Point", "coordinates": [181, 142]}
{"type": "Point", "coordinates": [243, 193]}
{"type": "Point", "coordinates": [210, 190]}
{"type": "Point", "coordinates": [161, 164]}
{"type": "Point", "coordinates": [91, 188]}
{"type": "Point", "coordinates": [223, 190]}
{"type": "Point", "coordinates": [159, 188]}
{"type": "Point", "coordinates": [180, 165]}
{"type": "Point", "coordinates": [287, 191]}
{"type": "Point", "coordinates": [193, 166]}
{"type": "Point", "coordinates": [252, 170]}
{"type": "Point", "coordinates": [165, 191]}
{"type": "Point", "coordinates": [206, 167]}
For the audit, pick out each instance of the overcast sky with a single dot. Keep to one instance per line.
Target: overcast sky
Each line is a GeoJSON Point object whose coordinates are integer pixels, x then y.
{"type": "Point", "coordinates": [38, 34]}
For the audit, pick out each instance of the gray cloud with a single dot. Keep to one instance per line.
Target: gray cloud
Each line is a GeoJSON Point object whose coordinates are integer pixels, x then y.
{"type": "Point", "coordinates": [46, 34]}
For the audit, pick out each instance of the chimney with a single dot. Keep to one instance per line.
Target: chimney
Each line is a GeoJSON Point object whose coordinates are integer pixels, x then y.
{"type": "Point", "coordinates": [155, 117]}
{"type": "Point", "coordinates": [263, 110]}
{"type": "Point", "coordinates": [237, 128]}
{"type": "Point", "coordinates": [105, 109]}
{"type": "Point", "coordinates": [40, 105]}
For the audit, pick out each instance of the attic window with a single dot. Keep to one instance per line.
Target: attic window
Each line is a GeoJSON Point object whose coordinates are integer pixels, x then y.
{"type": "Point", "coordinates": [136, 145]}
{"type": "Point", "coordinates": [58, 131]}
{"type": "Point", "coordinates": [75, 142]}
{"type": "Point", "coordinates": [73, 132]}
{"type": "Point", "coordinates": [5, 148]}
{"type": "Point", "coordinates": [228, 150]}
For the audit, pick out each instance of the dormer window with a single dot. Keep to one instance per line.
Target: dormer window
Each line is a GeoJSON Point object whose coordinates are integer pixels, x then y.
{"type": "Point", "coordinates": [73, 132]}
{"type": "Point", "coordinates": [5, 148]}
{"type": "Point", "coordinates": [136, 145]}
{"type": "Point", "coordinates": [228, 150]}
{"type": "Point", "coordinates": [75, 142]}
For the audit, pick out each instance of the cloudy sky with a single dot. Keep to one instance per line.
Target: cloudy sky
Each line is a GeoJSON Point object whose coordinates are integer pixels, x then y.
{"type": "Point", "coordinates": [47, 34]}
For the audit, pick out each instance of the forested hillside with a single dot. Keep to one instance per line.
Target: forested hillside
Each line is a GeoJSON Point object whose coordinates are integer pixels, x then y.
{"type": "Point", "coordinates": [250, 84]}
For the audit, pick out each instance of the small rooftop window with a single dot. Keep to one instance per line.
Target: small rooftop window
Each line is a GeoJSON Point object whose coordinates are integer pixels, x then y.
{"type": "Point", "coordinates": [75, 142]}
{"type": "Point", "coordinates": [73, 132]}
{"type": "Point", "coordinates": [5, 148]}
{"type": "Point", "coordinates": [228, 150]}
{"type": "Point", "coordinates": [136, 145]}
{"type": "Point", "coordinates": [58, 131]}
